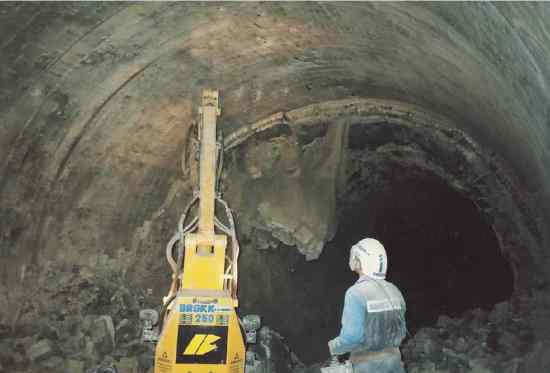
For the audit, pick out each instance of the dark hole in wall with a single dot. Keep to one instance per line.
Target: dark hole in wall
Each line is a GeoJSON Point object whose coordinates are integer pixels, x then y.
{"type": "Point", "coordinates": [442, 255]}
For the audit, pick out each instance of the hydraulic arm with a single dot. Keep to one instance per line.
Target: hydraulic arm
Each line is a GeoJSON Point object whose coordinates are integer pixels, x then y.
{"type": "Point", "coordinates": [200, 331]}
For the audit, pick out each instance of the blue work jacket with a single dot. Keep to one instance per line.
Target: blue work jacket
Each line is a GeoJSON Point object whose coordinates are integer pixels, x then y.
{"type": "Point", "coordinates": [373, 318]}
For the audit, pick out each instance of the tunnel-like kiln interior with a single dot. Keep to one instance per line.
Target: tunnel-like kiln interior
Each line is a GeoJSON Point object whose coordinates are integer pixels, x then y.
{"type": "Point", "coordinates": [425, 125]}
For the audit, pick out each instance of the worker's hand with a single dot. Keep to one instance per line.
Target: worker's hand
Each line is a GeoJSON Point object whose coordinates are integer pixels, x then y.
{"type": "Point", "coordinates": [331, 347]}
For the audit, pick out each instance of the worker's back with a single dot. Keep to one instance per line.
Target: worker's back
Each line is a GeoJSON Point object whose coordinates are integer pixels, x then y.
{"type": "Point", "coordinates": [373, 319]}
{"type": "Point", "coordinates": [384, 306]}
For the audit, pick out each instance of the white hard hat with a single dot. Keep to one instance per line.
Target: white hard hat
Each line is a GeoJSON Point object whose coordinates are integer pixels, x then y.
{"type": "Point", "coordinates": [371, 256]}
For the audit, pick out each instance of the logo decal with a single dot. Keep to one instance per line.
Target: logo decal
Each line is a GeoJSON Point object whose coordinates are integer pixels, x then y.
{"type": "Point", "coordinates": [201, 344]}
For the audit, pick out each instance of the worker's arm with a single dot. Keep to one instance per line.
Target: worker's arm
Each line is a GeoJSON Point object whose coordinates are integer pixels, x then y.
{"type": "Point", "coordinates": [353, 321]}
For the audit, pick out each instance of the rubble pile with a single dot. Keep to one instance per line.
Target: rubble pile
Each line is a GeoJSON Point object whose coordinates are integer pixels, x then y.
{"type": "Point", "coordinates": [502, 340]}
{"type": "Point", "coordinates": [76, 322]}
{"type": "Point", "coordinates": [81, 322]}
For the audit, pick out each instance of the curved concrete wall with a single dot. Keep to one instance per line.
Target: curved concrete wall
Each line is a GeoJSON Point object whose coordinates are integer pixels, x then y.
{"type": "Point", "coordinates": [97, 100]}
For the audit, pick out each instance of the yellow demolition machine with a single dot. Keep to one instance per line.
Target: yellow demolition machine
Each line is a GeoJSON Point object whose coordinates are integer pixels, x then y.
{"type": "Point", "coordinates": [200, 331]}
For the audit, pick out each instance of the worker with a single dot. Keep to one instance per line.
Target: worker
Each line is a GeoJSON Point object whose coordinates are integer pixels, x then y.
{"type": "Point", "coordinates": [373, 319]}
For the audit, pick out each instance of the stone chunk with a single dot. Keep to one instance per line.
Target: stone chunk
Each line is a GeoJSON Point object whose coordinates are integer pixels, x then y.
{"type": "Point", "coordinates": [509, 343]}
{"type": "Point", "coordinates": [127, 365]}
{"type": "Point", "coordinates": [125, 331]}
{"type": "Point", "coordinates": [444, 322]}
{"type": "Point", "coordinates": [103, 334]}
{"type": "Point", "coordinates": [500, 312]}
{"type": "Point", "coordinates": [24, 343]}
{"type": "Point", "coordinates": [51, 331]}
{"type": "Point", "coordinates": [480, 366]}
{"type": "Point", "coordinates": [74, 366]}
{"type": "Point", "coordinates": [18, 359]}
{"type": "Point", "coordinates": [461, 345]}
{"type": "Point", "coordinates": [53, 364]}
{"type": "Point", "coordinates": [431, 348]}
{"type": "Point", "coordinates": [73, 344]}
{"type": "Point", "coordinates": [6, 352]}
{"type": "Point", "coordinates": [87, 323]}
{"type": "Point", "coordinates": [40, 351]}
{"type": "Point", "coordinates": [134, 347]}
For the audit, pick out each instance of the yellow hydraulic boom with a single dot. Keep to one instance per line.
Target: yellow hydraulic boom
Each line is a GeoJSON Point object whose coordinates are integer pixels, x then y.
{"type": "Point", "coordinates": [200, 331]}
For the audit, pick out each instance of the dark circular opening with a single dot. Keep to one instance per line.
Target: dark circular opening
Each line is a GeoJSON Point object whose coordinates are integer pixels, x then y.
{"type": "Point", "coordinates": [443, 255]}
